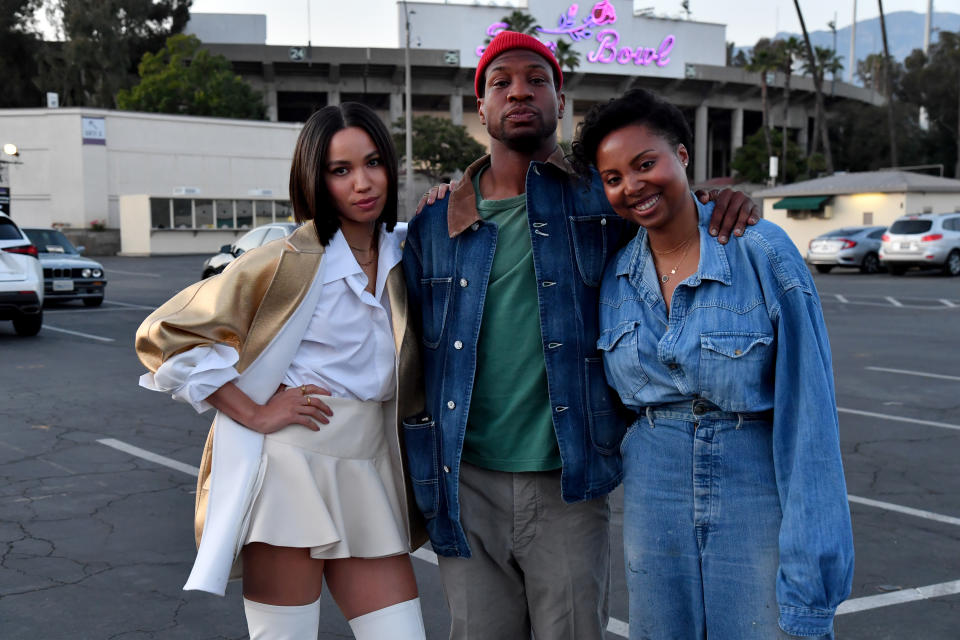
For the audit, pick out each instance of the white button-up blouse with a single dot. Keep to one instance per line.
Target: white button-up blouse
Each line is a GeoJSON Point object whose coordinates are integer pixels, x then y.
{"type": "Point", "coordinates": [348, 347]}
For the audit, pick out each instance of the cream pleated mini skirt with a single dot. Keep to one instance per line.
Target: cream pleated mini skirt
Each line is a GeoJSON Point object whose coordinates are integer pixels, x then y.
{"type": "Point", "coordinates": [331, 490]}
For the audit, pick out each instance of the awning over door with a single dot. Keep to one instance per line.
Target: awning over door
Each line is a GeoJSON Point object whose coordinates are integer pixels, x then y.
{"type": "Point", "coordinates": [802, 203]}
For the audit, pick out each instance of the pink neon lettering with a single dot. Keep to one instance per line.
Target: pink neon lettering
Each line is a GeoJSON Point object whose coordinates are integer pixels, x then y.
{"type": "Point", "coordinates": [644, 56]}
{"type": "Point", "coordinates": [607, 50]}
{"type": "Point", "coordinates": [663, 55]}
{"type": "Point", "coordinates": [625, 55]}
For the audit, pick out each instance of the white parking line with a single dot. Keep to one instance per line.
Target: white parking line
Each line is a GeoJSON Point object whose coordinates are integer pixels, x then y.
{"type": "Point", "coordinates": [919, 513]}
{"type": "Point", "coordinates": [894, 301]}
{"type": "Point", "coordinates": [127, 304]}
{"type": "Point", "coordinates": [619, 627]}
{"type": "Point", "coordinates": [948, 303]}
{"type": "Point", "coordinates": [899, 597]}
{"type": "Point", "coordinates": [914, 373]}
{"type": "Point", "coordinates": [886, 416]}
{"type": "Point", "coordinates": [841, 298]}
{"type": "Point", "coordinates": [78, 333]}
{"type": "Point", "coordinates": [149, 455]}
{"type": "Point", "coordinates": [133, 273]}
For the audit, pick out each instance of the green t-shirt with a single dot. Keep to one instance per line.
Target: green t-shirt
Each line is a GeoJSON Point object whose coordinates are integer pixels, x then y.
{"type": "Point", "coordinates": [510, 426]}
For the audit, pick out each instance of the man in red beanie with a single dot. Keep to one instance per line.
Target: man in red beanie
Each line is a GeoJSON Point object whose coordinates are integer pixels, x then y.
{"type": "Point", "coordinates": [514, 463]}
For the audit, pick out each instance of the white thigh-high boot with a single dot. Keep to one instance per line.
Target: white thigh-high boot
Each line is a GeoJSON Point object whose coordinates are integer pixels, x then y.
{"type": "Point", "coordinates": [401, 621]}
{"type": "Point", "coordinates": [272, 622]}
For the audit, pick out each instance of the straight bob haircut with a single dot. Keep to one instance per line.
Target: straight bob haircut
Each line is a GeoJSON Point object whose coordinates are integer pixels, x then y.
{"type": "Point", "coordinates": [308, 173]}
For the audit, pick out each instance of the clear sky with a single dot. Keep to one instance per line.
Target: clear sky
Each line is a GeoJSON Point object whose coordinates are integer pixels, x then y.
{"type": "Point", "coordinates": [373, 23]}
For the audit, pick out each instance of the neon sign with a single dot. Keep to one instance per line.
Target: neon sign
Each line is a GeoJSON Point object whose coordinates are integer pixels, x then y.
{"type": "Point", "coordinates": [608, 50]}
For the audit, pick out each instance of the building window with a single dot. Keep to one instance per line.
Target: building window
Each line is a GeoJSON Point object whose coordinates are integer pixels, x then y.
{"type": "Point", "coordinates": [224, 210]}
{"type": "Point", "coordinates": [264, 209]}
{"type": "Point", "coordinates": [284, 211]}
{"type": "Point", "coordinates": [160, 213]}
{"type": "Point", "coordinates": [182, 213]}
{"type": "Point", "coordinates": [867, 218]}
{"type": "Point", "coordinates": [244, 214]}
{"type": "Point", "coordinates": [203, 212]}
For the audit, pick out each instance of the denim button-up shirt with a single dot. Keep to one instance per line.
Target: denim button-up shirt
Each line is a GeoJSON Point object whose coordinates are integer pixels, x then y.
{"type": "Point", "coordinates": [745, 332]}
{"type": "Point", "coordinates": [447, 260]}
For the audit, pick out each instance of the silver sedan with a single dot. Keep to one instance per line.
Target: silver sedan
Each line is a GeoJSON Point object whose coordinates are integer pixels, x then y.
{"type": "Point", "coordinates": [847, 247]}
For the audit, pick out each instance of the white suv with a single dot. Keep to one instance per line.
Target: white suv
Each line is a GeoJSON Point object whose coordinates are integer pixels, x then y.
{"type": "Point", "coordinates": [923, 240]}
{"type": "Point", "coordinates": [21, 280]}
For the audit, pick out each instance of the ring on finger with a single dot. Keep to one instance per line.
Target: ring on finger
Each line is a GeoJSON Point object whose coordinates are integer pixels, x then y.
{"type": "Point", "coordinates": [303, 389]}
{"type": "Point", "coordinates": [308, 401]}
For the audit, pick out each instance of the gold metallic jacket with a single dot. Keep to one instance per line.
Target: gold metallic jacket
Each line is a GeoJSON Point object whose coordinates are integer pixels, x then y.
{"type": "Point", "coordinates": [261, 305]}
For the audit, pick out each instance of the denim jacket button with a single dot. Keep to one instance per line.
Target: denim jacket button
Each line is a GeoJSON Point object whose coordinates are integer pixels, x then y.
{"type": "Point", "coordinates": [673, 366]}
{"type": "Point", "coordinates": [458, 345]}
{"type": "Point", "coordinates": [451, 405]}
{"type": "Point", "coordinates": [475, 226]}
{"type": "Point", "coordinates": [603, 222]}
{"type": "Point", "coordinates": [463, 282]}
{"type": "Point", "coordinates": [446, 469]}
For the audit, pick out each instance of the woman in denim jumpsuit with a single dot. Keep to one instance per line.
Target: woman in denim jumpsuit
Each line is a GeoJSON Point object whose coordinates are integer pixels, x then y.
{"type": "Point", "coordinates": [736, 522]}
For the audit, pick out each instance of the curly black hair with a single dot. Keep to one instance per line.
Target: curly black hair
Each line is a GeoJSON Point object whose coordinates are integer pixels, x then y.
{"type": "Point", "coordinates": [308, 185]}
{"type": "Point", "coordinates": [637, 106]}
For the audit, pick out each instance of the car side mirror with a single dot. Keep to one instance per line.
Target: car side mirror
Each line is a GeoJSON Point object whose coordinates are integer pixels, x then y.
{"type": "Point", "coordinates": [227, 248]}
{"type": "Point", "coordinates": [80, 249]}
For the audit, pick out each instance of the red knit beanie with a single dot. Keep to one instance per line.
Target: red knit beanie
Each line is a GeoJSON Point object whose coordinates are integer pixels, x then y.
{"type": "Point", "coordinates": [506, 40]}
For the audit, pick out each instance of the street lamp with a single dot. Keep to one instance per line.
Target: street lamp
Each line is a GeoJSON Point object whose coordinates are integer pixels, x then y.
{"type": "Point", "coordinates": [408, 120]}
{"type": "Point", "coordinates": [11, 149]}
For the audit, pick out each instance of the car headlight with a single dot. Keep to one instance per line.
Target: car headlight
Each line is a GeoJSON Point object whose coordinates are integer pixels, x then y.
{"type": "Point", "coordinates": [97, 273]}
{"type": "Point", "coordinates": [85, 273]}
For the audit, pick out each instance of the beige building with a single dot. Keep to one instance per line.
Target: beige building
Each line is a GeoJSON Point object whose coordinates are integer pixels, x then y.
{"type": "Point", "coordinates": [808, 209]}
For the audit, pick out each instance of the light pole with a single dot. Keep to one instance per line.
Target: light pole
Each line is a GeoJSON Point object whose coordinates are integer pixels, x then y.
{"type": "Point", "coordinates": [408, 118]}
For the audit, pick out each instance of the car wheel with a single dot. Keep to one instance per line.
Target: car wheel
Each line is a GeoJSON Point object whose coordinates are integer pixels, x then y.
{"type": "Point", "coordinates": [896, 270]}
{"type": "Point", "coordinates": [207, 273]}
{"type": "Point", "coordinates": [28, 325]}
{"type": "Point", "coordinates": [824, 268]}
{"type": "Point", "coordinates": [870, 264]}
{"type": "Point", "coordinates": [93, 302]}
{"type": "Point", "coordinates": [952, 266]}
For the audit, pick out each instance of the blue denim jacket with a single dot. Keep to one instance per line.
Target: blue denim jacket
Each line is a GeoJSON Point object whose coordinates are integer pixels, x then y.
{"type": "Point", "coordinates": [447, 260]}
{"type": "Point", "coordinates": [746, 332]}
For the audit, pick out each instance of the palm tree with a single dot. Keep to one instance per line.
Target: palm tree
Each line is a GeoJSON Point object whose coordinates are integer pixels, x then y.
{"type": "Point", "coordinates": [888, 83]}
{"type": "Point", "coordinates": [818, 85]}
{"type": "Point", "coordinates": [762, 60]}
{"type": "Point", "coordinates": [789, 50]}
{"type": "Point", "coordinates": [520, 22]}
{"type": "Point", "coordinates": [567, 56]}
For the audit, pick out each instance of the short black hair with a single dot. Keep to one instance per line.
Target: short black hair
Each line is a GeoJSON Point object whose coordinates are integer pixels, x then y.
{"type": "Point", "coordinates": [637, 106]}
{"type": "Point", "coordinates": [308, 184]}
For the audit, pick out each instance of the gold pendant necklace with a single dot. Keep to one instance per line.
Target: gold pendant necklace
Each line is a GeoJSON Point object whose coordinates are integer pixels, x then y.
{"type": "Point", "coordinates": [665, 277]}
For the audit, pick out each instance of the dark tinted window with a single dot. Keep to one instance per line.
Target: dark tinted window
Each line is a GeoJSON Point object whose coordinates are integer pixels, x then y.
{"type": "Point", "coordinates": [49, 241]}
{"type": "Point", "coordinates": [911, 226]}
{"type": "Point", "coordinates": [8, 230]}
{"type": "Point", "coordinates": [953, 224]}
{"type": "Point", "coordinates": [878, 234]}
{"type": "Point", "coordinates": [839, 232]}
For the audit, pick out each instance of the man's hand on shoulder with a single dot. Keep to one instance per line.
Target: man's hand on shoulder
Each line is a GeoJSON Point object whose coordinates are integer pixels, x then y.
{"type": "Point", "coordinates": [436, 192]}
{"type": "Point", "coordinates": [733, 210]}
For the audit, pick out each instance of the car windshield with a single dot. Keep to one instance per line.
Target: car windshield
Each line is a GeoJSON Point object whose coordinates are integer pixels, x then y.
{"type": "Point", "coordinates": [50, 241]}
{"type": "Point", "coordinates": [8, 230]}
{"type": "Point", "coordinates": [911, 226]}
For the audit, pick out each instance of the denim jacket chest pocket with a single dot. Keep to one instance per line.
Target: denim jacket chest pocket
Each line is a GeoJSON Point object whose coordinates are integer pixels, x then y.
{"type": "Point", "coordinates": [736, 369]}
{"type": "Point", "coordinates": [436, 299]}
{"type": "Point", "coordinates": [621, 360]}
{"type": "Point", "coordinates": [593, 238]}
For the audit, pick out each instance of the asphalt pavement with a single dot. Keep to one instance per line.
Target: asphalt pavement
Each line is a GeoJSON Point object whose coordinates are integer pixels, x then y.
{"type": "Point", "coordinates": [97, 475]}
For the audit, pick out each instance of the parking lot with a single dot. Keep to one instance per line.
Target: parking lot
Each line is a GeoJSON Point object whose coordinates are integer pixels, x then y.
{"type": "Point", "coordinates": [97, 475]}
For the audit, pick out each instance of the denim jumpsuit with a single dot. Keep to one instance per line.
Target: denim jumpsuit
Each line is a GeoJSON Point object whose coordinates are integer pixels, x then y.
{"type": "Point", "coordinates": [735, 509]}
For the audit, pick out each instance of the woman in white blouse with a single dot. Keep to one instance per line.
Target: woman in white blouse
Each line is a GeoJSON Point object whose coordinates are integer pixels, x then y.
{"type": "Point", "coordinates": [302, 347]}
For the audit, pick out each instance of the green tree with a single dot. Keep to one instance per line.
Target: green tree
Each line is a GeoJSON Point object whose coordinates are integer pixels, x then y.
{"type": "Point", "coordinates": [859, 143]}
{"type": "Point", "coordinates": [519, 21]}
{"type": "Point", "coordinates": [933, 82]}
{"type": "Point", "coordinates": [764, 59]}
{"type": "Point", "coordinates": [19, 49]}
{"type": "Point", "coordinates": [185, 78]}
{"type": "Point", "coordinates": [752, 161]}
{"type": "Point", "coordinates": [439, 146]}
{"type": "Point", "coordinates": [567, 56]}
{"type": "Point", "coordinates": [104, 40]}
{"type": "Point", "coordinates": [821, 110]}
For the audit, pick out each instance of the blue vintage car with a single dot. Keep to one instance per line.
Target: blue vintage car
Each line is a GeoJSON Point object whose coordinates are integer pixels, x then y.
{"type": "Point", "coordinates": [67, 275]}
